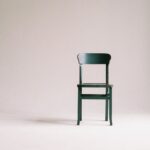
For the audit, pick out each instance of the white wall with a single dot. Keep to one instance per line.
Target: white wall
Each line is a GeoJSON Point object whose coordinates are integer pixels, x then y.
{"type": "Point", "coordinates": [39, 41]}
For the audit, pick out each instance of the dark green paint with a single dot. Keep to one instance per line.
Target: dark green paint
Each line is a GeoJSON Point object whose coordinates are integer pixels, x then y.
{"type": "Point", "coordinates": [95, 58]}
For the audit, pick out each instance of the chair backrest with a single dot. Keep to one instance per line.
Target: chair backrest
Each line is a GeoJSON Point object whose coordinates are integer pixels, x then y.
{"type": "Point", "coordinates": [94, 58]}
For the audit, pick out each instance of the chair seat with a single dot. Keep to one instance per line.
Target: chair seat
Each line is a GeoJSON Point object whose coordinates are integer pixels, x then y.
{"type": "Point", "coordinates": [95, 96]}
{"type": "Point", "coordinates": [94, 85]}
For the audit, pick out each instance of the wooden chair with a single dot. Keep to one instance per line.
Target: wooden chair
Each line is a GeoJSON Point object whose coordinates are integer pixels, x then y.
{"type": "Point", "coordinates": [95, 58]}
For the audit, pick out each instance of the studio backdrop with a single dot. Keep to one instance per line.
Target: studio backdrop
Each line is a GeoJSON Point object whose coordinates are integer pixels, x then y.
{"type": "Point", "coordinates": [39, 43]}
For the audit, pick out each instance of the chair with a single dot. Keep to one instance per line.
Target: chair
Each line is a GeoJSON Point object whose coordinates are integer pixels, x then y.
{"type": "Point", "coordinates": [93, 59]}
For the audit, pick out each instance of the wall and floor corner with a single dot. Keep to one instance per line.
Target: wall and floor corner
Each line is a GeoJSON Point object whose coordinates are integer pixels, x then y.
{"type": "Point", "coordinates": [39, 41]}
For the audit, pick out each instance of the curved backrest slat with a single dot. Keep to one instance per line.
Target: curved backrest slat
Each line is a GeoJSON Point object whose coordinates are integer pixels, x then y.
{"type": "Point", "coordinates": [93, 58]}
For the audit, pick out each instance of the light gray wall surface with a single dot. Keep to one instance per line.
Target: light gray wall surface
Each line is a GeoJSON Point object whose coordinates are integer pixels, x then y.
{"type": "Point", "coordinates": [39, 41]}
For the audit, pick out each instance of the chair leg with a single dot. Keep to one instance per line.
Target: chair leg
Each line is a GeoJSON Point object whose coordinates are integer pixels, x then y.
{"type": "Point", "coordinates": [79, 107]}
{"type": "Point", "coordinates": [106, 110]}
{"type": "Point", "coordinates": [110, 107]}
{"type": "Point", "coordinates": [78, 120]}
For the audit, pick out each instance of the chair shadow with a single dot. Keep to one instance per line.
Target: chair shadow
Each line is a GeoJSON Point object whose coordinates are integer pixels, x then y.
{"type": "Point", "coordinates": [68, 122]}
{"type": "Point", "coordinates": [54, 121]}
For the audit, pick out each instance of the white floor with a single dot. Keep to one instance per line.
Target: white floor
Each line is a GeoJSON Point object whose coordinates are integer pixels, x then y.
{"type": "Point", "coordinates": [129, 132]}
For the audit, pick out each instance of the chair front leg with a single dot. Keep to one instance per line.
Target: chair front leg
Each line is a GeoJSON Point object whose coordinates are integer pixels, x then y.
{"type": "Point", "coordinates": [79, 106]}
{"type": "Point", "coordinates": [106, 110]}
{"type": "Point", "coordinates": [110, 107]}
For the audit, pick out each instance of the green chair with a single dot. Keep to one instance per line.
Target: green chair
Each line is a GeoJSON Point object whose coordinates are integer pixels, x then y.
{"type": "Point", "coordinates": [93, 59]}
